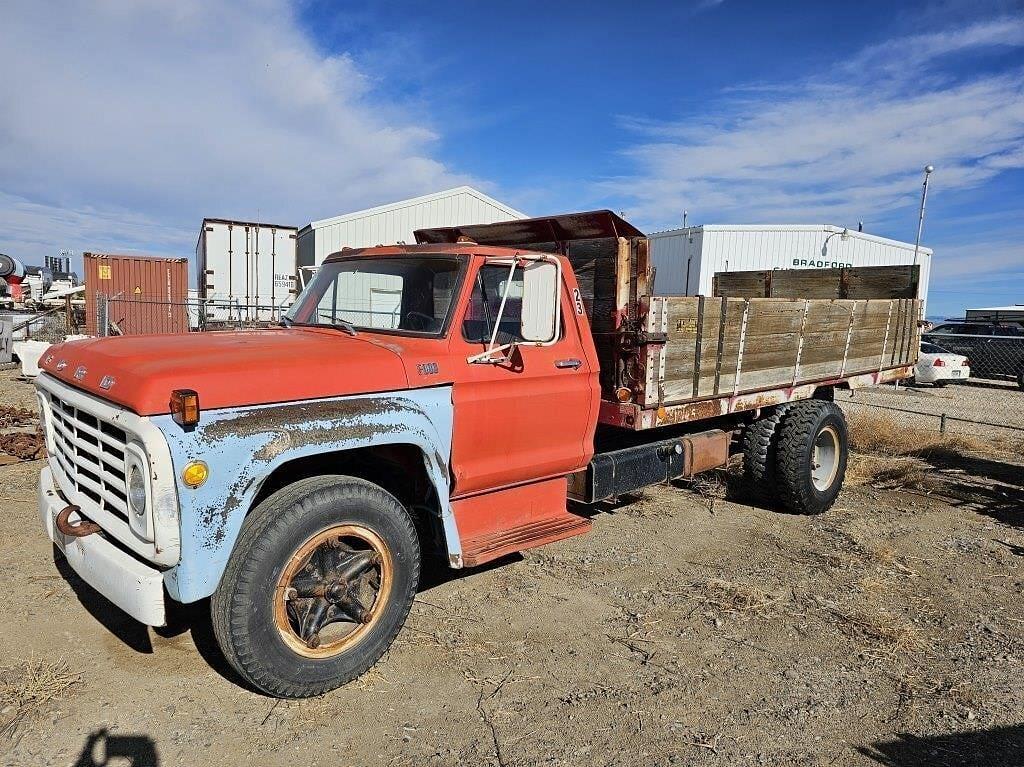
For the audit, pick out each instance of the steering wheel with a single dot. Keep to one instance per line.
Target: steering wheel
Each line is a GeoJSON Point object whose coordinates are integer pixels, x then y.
{"type": "Point", "coordinates": [420, 321]}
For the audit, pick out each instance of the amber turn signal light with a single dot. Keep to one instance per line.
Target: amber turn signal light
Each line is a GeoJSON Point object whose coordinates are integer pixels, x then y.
{"type": "Point", "coordinates": [185, 407]}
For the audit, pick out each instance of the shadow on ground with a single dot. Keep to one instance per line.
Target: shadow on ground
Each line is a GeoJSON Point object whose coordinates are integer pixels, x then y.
{"type": "Point", "coordinates": [988, 486]}
{"type": "Point", "coordinates": [998, 747]}
{"type": "Point", "coordinates": [101, 749]}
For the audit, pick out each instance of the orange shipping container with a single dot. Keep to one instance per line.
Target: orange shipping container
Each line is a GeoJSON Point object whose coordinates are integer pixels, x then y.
{"type": "Point", "coordinates": [141, 295]}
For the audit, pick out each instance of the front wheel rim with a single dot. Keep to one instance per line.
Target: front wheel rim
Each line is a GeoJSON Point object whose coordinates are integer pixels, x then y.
{"type": "Point", "coordinates": [333, 590]}
{"type": "Point", "coordinates": [825, 458]}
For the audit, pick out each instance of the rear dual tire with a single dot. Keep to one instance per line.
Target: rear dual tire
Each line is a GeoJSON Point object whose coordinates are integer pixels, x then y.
{"type": "Point", "coordinates": [796, 456]}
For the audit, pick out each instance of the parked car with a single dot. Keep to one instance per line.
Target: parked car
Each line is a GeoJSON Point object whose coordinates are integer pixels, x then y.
{"type": "Point", "coordinates": [995, 349]}
{"type": "Point", "coordinates": [938, 366]}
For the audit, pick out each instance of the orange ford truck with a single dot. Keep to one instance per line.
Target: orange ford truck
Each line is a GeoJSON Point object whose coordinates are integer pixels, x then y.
{"type": "Point", "coordinates": [440, 399]}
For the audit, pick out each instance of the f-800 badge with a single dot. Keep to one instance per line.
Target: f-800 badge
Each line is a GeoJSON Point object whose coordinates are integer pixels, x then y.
{"type": "Point", "coordinates": [427, 368]}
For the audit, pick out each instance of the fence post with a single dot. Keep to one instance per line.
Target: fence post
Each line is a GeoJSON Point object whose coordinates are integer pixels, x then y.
{"type": "Point", "coordinates": [942, 424]}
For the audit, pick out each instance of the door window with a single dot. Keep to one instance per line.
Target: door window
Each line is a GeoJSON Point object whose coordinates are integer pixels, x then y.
{"type": "Point", "coordinates": [485, 303]}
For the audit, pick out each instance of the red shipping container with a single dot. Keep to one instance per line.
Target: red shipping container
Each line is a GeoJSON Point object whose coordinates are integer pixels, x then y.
{"type": "Point", "coordinates": [142, 295]}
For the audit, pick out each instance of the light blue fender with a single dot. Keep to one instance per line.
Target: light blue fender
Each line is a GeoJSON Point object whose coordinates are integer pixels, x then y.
{"type": "Point", "coordinates": [243, 446]}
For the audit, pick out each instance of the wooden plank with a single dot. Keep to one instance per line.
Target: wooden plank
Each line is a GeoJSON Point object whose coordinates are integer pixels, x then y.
{"type": "Point", "coordinates": [858, 282]}
{"type": "Point", "coordinates": [705, 363]}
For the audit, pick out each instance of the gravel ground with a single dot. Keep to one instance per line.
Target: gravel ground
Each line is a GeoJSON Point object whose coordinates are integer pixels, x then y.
{"type": "Point", "coordinates": [689, 627]}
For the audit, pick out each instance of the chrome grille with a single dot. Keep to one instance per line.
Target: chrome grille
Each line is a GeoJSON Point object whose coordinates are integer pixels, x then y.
{"type": "Point", "coordinates": [90, 453]}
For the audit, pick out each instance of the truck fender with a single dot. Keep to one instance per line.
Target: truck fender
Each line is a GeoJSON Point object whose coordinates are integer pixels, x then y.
{"type": "Point", "coordinates": [243, 446]}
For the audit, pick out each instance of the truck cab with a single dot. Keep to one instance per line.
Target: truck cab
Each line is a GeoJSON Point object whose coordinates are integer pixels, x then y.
{"type": "Point", "coordinates": [425, 399]}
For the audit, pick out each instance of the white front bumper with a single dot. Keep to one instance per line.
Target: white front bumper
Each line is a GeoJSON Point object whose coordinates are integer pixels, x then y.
{"type": "Point", "coordinates": [131, 585]}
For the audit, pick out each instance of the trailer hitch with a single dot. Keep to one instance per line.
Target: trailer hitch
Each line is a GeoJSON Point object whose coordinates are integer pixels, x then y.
{"type": "Point", "coordinates": [79, 529]}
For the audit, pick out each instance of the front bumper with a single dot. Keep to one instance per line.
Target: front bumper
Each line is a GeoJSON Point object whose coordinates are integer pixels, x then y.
{"type": "Point", "coordinates": [135, 587]}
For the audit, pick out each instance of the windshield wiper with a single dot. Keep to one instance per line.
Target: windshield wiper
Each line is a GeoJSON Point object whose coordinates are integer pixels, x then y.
{"type": "Point", "coordinates": [346, 327]}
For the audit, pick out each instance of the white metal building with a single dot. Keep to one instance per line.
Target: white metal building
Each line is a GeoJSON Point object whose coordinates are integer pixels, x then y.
{"type": "Point", "coordinates": [245, 270]}
{"type": "Point", "coordinates": [687, 259]}
{"type": "Point", "coordinates": [389, 224]}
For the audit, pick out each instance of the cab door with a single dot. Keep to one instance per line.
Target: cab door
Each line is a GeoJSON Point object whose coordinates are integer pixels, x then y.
{"type": "Point", "coordinates": [530, 417]}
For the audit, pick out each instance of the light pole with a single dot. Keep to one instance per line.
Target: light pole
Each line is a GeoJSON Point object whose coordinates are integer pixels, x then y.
{"type": "Point", "coordinates": [920, 220]}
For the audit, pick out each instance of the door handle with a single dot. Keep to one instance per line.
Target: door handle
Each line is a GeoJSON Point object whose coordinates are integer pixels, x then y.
{"type": "Point", "coordinates": [572, 362]}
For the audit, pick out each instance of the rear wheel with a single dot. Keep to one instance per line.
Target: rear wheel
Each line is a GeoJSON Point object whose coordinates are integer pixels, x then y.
{"type": "Point", "coordinates": [319, 583]}
{"type": "Point", "coordinates": [760, 444]}
{"type": "Point", "coordinates": [812, 456]}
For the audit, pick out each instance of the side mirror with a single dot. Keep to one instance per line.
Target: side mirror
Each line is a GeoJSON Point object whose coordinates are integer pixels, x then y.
{"type": "Point", "coordinates": [540, 315]}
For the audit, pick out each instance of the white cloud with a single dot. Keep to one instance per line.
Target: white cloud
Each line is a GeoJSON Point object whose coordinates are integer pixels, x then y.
{"type": "Point", "coordinates": [846, 145]}
{"type": "Point", "coordinates": [134, 120]}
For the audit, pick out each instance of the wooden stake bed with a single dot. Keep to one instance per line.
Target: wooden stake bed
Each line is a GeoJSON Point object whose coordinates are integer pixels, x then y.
{"type": "Point", "coordinates": [689, 358]}
{"type": "Point", "coordinates": [704, 357]}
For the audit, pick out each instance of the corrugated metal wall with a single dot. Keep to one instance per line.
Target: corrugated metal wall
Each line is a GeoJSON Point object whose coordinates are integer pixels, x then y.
{"type": "Point", "coordinates": [687, 259]}
{"type": "Point", "coordinates": [142, 295]}
{"type": "Point", "coordinates": [395, 223]}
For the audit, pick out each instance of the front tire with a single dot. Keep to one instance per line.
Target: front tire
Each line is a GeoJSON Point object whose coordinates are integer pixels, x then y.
{"type": "Point", "coordinates": [812, 456]}
{"type": "Point", "coordinates": [317, 587]}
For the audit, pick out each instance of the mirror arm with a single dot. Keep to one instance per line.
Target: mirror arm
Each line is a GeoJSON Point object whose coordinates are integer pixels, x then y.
{"type": "Point", "coordinates": [485, 358]}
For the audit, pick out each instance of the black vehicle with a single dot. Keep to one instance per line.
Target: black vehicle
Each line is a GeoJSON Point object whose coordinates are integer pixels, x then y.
{"type": "Point", "coordinates": [995, 349]}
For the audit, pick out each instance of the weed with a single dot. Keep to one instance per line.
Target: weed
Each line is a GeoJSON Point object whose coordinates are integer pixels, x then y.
{"type": "Point", "coordinates": [735, 597]}
{"type": "Point", "coordinates": [27, 687]}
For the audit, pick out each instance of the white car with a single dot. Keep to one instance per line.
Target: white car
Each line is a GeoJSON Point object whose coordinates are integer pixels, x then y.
{"type": "Point", "coordinates": [938, 366]}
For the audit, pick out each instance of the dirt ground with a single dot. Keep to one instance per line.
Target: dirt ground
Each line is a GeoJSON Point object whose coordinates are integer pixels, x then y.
{"type": "Point", "coordinates": [689, 627]}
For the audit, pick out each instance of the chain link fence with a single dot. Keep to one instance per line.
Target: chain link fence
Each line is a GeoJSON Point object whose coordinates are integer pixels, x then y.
{"type": "Point", "coordinates": [118, 315]}
{"type": "Point", "coordinates": [989, 411]}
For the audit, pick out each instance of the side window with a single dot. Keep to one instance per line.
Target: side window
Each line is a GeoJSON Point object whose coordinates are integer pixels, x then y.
{"type": "Point", "coordinates": [976, 330]}
{"type": "Point", "coordinates": [943, 329]}
{"type": "Point", "coordinates": [485, 302]}
{"type": "Point", "coordinates": [1014, 331]}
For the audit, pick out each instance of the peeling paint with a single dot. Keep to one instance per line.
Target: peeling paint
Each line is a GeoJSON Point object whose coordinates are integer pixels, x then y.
{"type": "Point", "coordinates": [243, 446]}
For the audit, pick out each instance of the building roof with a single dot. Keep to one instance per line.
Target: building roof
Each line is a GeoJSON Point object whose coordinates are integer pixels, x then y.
{"type": "Point", "coordinates": [823, 228]}
{"type": "Point", "coordinates": [512, 212]}
{"type": "Point", "coordinates": [236, 222]}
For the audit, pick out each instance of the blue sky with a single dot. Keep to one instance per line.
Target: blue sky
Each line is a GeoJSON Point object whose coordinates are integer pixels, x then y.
{"type": "Point", "coordinates": [127, 122]}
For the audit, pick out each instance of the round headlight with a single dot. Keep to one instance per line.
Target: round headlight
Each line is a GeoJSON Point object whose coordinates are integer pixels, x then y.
{"type": "Point", "coordinates": [137, 491]}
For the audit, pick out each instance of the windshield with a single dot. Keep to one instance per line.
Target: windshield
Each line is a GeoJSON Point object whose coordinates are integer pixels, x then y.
{"type": "Point", "coordinates": [407, 295]}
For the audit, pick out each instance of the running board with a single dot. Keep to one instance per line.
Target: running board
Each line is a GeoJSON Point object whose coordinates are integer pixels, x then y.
{"type": "Point", "coordinates": [501, 522]}
{"type": "Point", "coordinates": [484, 548]}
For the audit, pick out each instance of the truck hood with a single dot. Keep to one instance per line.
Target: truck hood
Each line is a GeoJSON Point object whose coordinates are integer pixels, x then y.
{"type": "Point", "coordinates": [227, 369]}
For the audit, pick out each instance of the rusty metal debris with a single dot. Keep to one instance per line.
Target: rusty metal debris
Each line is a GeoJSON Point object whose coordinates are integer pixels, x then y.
{"type": "Point", "coordinates": [28, 446]}
{"type": "Point", "coordinates": [16, 416]}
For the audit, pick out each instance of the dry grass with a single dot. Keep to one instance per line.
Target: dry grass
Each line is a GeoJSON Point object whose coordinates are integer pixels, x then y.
{"type": "Point", "coordinates": [876, 434]}
{"type": "Point", "coordinates": [888, 636]}
{"type": "Point", "coordinates": [27, 687]}
{"type": "Point", "coordinates": [912, 473]}
{"type": "Point", "coordinates": [736, 598]}
{"type": "Point", "coordinates": [892, 455]}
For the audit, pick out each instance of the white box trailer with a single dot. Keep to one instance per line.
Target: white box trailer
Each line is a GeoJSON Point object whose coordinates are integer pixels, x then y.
{"type": "Point", "coordinates": [1014, 313]}
{"type": "Point", "coordinates": [686, 260]}
{"type": "Point", "coordinates": [245, 270]}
